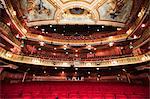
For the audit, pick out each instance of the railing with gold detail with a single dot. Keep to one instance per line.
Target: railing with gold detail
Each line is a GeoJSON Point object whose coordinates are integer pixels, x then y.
{"type": "Point", "coordinates": [7, 35]}
{"type": "Point", "coordinates": [46, 62]}
{"type": "Point", "coordinates": [143, 39]}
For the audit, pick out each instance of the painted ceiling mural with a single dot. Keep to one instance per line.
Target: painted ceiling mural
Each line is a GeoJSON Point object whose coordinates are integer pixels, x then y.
{"type": "Point", "coordinates": [116, 10]}
{"type": "Point", "coordinates": [110, 10]}
{"type": "Point", "coordinates": [38, 9]}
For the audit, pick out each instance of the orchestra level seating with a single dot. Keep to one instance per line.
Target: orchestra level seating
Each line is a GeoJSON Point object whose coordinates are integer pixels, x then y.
{"type": "Point", "coordinates": [73, 90]}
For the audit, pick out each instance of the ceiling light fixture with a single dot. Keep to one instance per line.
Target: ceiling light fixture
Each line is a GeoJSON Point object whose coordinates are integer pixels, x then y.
{"type": "Point", "coordinates": [50, 25]}
{"type": "Point", "coordinates": [54, 54]}
{"type": "Point", "coordinates": [143, 25]}
{"type": "Point", "coordinates": [76, 50]}
{"type": "Point", "coordinates": [55, 48]}
{"type": "Point", "coordinates": [39, 49]}
{"type": "Point", "coordinates": [17, 36]}
{"type": "Point", "coordinates": [65, 45]}
{"type": "Point", "coordinates": [76, 55]}
{"type": "Point", "coordinates": [66, 52]}
{"type": "Point", "coordinates": [65, 48]}
{"type": "Point", "coordinates": [42, 30]}
{"type": "Point", "coordinates": [42, 43]}
{"type": "Point", "coordinates": [135, 37]}
{"type": "Point", "coordinates": [36, 27]}
{"type": "Point", "coordinates": [118, 29]}
{"type": "Point", "coordinates": [62, 72]}
{"type": "Point", "coordinates": [110, 37]}
{"type": "Point", "coordinates": [94, 48]}
{"type": "Point", "coordinates": [54, 29]}
{"type": "Point", "coordinates": [111, 44]}
{"type": "Point", "coordinates": [76, 68]}
{"type": "Point", "coordinates": [97, 68]}
{"type": "Point", "coordinates": [8, 23]}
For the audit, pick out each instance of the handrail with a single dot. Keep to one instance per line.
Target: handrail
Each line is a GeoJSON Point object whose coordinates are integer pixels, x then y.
{"type": "Point", "coordinates": [143, 39]}
{"type": "Point", "coordinates": [46, 62]}
{"type": "Point", "coordinates": [8, 34]}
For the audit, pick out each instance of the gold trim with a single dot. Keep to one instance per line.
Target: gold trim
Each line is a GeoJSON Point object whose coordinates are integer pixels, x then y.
{"type": "Point", "coordinates": [76, 42]}
{"type": "Point", "coordinates": [80, 1]}
{"type": "Point", "coordinates": [8, 36]}
{"type": "Point", "coordinates": [45, 62]}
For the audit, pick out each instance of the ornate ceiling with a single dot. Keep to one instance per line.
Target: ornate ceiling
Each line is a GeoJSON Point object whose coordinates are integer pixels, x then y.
{"type": "Point", "coordinates": [104, 12]}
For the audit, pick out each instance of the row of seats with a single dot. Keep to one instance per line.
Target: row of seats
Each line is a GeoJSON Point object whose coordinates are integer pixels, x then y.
{"type": "Point", "coordinates": [73, 90]}
{"type": "Point", "coordinates": [96, 96]}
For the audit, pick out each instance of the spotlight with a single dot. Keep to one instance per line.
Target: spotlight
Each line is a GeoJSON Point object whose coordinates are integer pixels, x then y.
{"type": "Point", "coordinates": [90, 52]}
{"type": "Point", "coordinates": [55, 48]}
{"type": "Point", "coordinates": [54, 54]}
{"type": "Point", "coordinates": [39, 49]}
{"type": "Point", "coordinates": [76, 50]}
{"type": "Point", "coordinates": [54, 29]}
{"type": "Point", "coordinates": [50, 25]}
{"type": "Point", "coordinates": [143, 25]}
{"type": "Point", "coordinates": [42, 43]}
{"type": "Point", "coordinates": [62, 72]}
{"type": "Point", "coordinates": [66, 52]}
{"type": "Point", "coordinates": [76, 68]}
{"type": "Point", "coordinates": [76, 55]}
{"type": "Point", "coordinates": [8, 23]}
{"type": "Point", "coordinates": [42, 30]}
{"type": "Point", "coordinates": [94, 48]}
{"type": "Point", "coordinates": [135, 37]}
{"type": "Point", "coordinates": [111, 44]}
{"type": "Point", "coordinates": [65, 48]}
{"type": "Point", "coordinates": [98, 75]}
{"type": "Point", "coordinates": [97, 68]}
{"type": "Point", "coordinates": [36, 27]}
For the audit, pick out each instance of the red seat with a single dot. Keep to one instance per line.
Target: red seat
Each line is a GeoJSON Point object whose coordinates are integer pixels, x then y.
{"type": "Point", "coordinates": [109, 96]}
{"type": "Point", "coordinates": [121, 97]}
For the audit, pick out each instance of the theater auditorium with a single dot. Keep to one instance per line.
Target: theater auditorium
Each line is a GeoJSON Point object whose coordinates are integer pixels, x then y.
{"type": "Point", "coordinates": [74, 49]}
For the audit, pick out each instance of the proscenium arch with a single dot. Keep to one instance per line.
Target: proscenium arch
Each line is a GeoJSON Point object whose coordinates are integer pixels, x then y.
{"type": "Point", "coordinates": [79, 4]}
